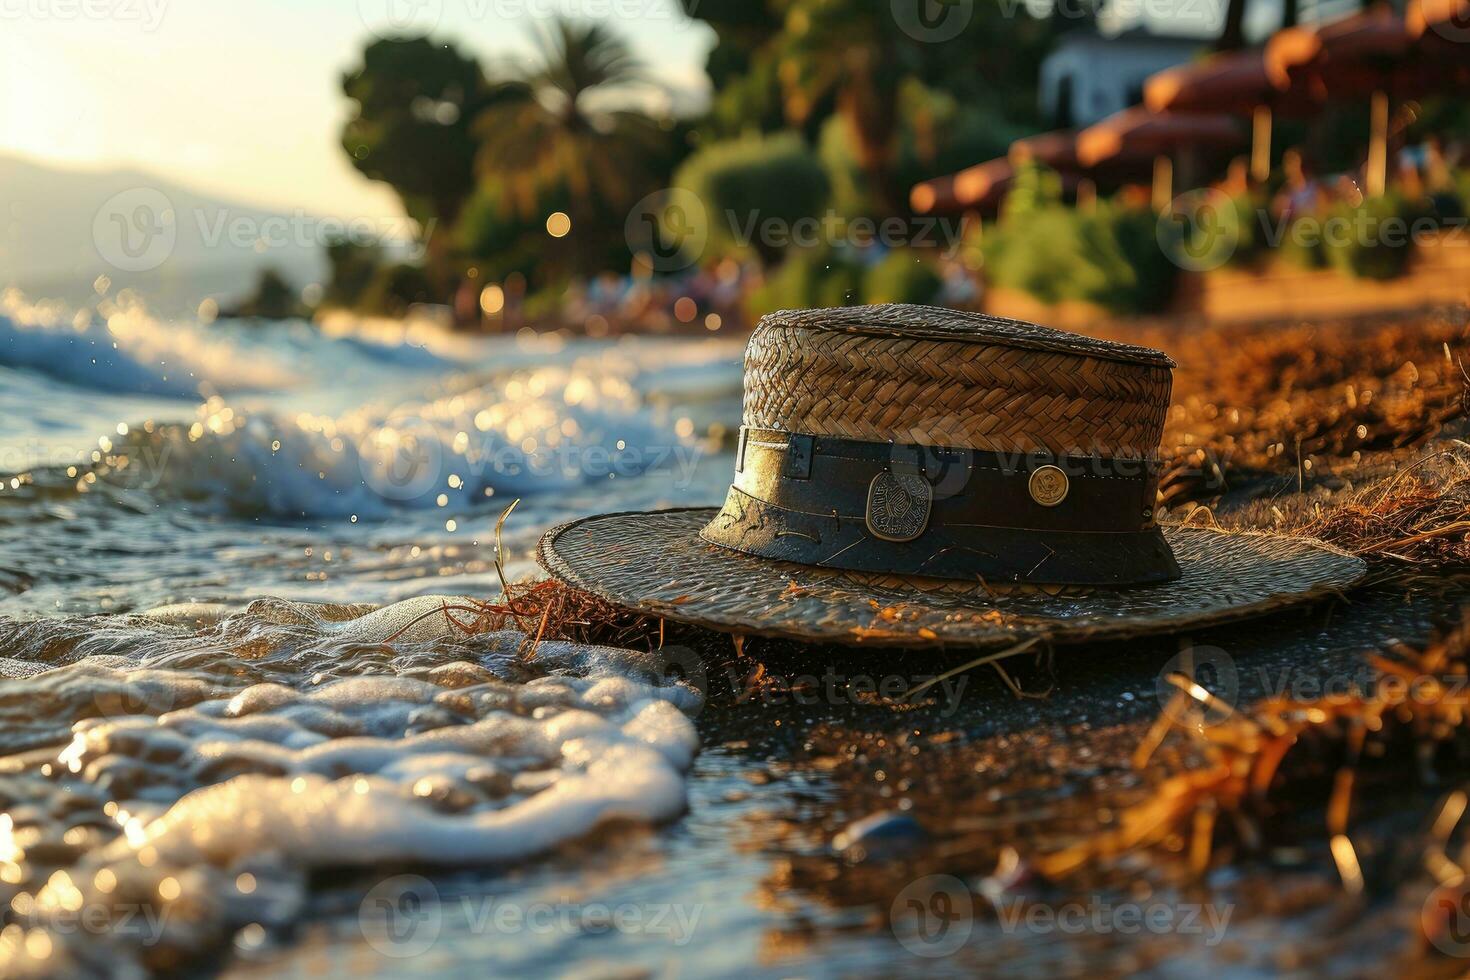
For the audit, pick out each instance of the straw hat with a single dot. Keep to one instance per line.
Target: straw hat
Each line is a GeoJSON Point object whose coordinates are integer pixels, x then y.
{"type": "Point", "coordinates": [908, 476]}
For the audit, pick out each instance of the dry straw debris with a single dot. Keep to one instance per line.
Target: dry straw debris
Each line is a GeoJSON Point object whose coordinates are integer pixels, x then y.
{"type": "Point", "coordinates": [1295, 400]}
{"type": "Point", "coordinates": [1289, 755]}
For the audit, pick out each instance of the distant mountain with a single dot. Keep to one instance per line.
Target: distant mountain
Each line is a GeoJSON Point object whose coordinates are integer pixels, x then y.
{"type": "Point", "coordinates": [62, 229]}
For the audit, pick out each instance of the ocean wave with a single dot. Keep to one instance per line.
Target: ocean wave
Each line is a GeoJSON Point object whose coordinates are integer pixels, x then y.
{"type": "Point", "coordinates": [537, 430]}
{"type": "Point", "coordinates": [121, 348]}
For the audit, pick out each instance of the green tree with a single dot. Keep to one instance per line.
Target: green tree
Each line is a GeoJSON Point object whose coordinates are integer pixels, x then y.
{"type": "Point", "coordinates": [741, 66]}
{"type": "Point", "coordinates": [938, 134]}
{"type": "Point", "coordinates": [570, 134]}
{"type": "Point", "coordinates": [855, 58]}
{"type": "Point", "coordinates": [745, 183]}
{"type": "Point", "coordinates": [273, 299]}
{"type": "Point", "coordinates": [352, 268]}
{"type": "Point", "coordinates": [415, 102]}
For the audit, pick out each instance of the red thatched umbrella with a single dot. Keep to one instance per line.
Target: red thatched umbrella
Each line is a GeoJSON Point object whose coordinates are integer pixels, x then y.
{"type": "Point", "coordinates": [1350, 57]}
{"type": "Point", "coordinates": [1441, 29]}
{"type": "Point", "coordinates": [980, 188]}
{"type": "Point", "coordinates": [1136, 132]}
{"type": "Point", "coordinates": [1056, 149]}
{"type": "Point", "coordinates": [1236, 82]}
{"type": "Point", "coordinates": [1368, 54]}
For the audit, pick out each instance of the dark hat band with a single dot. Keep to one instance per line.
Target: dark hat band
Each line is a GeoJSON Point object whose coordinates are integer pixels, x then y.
{"type": "Point", "coordinates": [944, 512]}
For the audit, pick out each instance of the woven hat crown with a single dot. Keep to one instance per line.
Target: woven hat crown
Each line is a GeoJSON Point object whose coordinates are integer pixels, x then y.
{"type": "Point", "coordinates": [915, 374]}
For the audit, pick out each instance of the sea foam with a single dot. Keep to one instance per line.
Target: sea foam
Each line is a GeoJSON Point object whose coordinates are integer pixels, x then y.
{"type": "Point", "coordinates": [406, 742]}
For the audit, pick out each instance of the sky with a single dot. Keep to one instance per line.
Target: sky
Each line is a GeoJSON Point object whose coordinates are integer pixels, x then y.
{"type": "Point", "coordinates": [243, 99]}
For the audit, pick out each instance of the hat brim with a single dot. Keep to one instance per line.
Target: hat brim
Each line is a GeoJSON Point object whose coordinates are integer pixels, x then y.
{"type": "Point", "coordinates": [656, 563]}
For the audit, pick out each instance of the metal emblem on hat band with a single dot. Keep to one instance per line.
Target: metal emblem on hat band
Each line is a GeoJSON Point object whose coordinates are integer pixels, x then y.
{"type": "Point", "coordinates": [1049, 486]}
{"type": "Point", "coordinates": [898, 506]}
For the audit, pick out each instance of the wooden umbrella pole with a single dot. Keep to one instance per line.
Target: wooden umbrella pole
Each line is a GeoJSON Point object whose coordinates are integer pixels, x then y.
{"type": "Point", "coordinates": [1377, 171]}
{"type": "Point", "coordinates": [1261, 144]}
{"type": "Point", "coordinates": [1086, 195]}
{"type": "Point", "coordinates": [1163, 182]}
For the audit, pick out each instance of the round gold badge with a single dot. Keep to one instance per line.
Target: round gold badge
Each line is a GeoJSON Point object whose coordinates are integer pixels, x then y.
{"type": "Point", "coordinates": [1049, 486]}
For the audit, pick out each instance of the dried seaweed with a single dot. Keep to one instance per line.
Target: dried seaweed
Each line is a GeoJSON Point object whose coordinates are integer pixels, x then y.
{"type": "Point", "coordinates": [1407, 520]}
{"type": "Point", "coordinates": [1297, 400]}
{"type": "Point", "coordinates": [1318, 750]}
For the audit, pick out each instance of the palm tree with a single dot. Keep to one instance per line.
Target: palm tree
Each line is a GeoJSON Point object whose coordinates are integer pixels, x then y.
{"type": "Point", "coordinates": [847, 56]}
{"type": "Point", "coordinates": [568, 134]}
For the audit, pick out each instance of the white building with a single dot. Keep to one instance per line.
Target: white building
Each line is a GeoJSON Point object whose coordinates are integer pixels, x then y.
{"type": "Point", "coordinates": [1089, 76]}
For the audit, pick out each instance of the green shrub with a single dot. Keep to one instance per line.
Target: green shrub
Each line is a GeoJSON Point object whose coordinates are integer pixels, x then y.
{"type": "Point", "coordinates": [902, 277]}
{"type": "Point", "coordinates": [808, 278]}
{"type": "Point", "coordinates": [1301, 245]}
{"type": "Point", "coordinates": [491, 227]}
{"type": "Point", "coordinates": [1448, 208]}
{"type": "Point", "coordinates": [546, 303]}
{"type": "Point", "coordinates": [1249, 245]}
{"type": "Point", "coordinates": [745, 182]}
{"type": "Point", "coordinates": [394, 288]}
{"type": "Point", "coordinates": [353, 266]}
{"type": "Point", "coordinates": [1035, 188]}
{"type": "Point", "coordinates": [1110, 257]}
{"type": "Point", "coordinates": [1206, 230]}
{"type": "Point", "coordinates": [1371, 240]}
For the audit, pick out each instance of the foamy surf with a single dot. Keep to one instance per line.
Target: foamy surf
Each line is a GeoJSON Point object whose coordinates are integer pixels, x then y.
{"type": "Point", "coordinates": [179, 782]}
{"type": "Point", "coordinates": [120, 347]}
{"type": "Point", "coordinates": [536, 431]}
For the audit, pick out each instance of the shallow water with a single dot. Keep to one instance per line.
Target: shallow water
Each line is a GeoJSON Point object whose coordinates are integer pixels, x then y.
{"type": "Point", "coordinates": [169, 731]}
{"type": "Point", "coordinates": [219, 754]}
